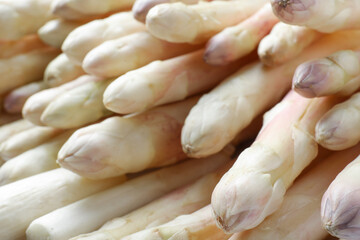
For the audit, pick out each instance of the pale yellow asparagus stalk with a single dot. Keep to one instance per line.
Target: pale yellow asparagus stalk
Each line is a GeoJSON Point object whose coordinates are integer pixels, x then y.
{"type": "Point", "coordinates": [15, 100]}
{"type": "Point", "coordinates": [284, 43]}
{"type": "Point", "coordinates": [111, 147]}
{"type": "Point", "coordinates": [235, 42]}
{"type": "Point", "coordinates": [85, 215]}
{"type": "Point", "coordinates": [25, 44]}
{"type": "Point", "coordinates": [61, 70]}
{"type": "Point", "coordinates": [329, 75]}
{"type": "Point", "coordinates": [229, 107]}
{"type": "Point", "coordinates": [24, 68]}
{"type": "Point", "coordinates": [116, 57]}
{"type": "Point", "coordinates": [181, 201]}
{"type": "Point", "coordinates": [198, 225]}
{"type": "Point", "coordinates": [86, 37]}
{"type": "Point", "coordinates": [340, 203]}
{"type": "Point", "coordinates": [55, 31]}
{"type": "Point", "coordinates": [77, 107]}
{"type": "Point", "coordinates": [337, 129]}
{"type": "Point", "coordinates": [324, 16]}
{"type": "Point", "coordinates": [177, 22]}
{"type": "Point", "coordinates": [26, 140]}
{"type": "Point", "coordinates": [36, 104]}
{"type": "Point", "coordinates": [255, 186]}
{"type": "Point", "coordinates": [22, 17]}
{"type": "Point", "coordinates": [165, 81]}
{"type": "Point", "coordinates": [141, 7]}
{"type": "Point", "coordinates": [34, 161]}
{"type": "Point", "coordinates": [13, 128]}
{"type": "Point", "coordinates": [83, 9]}
{"type": "Point", "coordinates": [299, 215]}
{"type": "Point", "coordinates": [27, 199]}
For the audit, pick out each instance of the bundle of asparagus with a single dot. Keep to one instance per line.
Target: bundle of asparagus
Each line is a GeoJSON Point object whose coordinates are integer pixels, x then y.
{"type": "Point", "coordinates": [186, 78]}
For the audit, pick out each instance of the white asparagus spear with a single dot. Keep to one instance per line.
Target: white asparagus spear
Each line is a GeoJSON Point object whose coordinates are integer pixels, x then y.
{"type": "Point", "coordinates": [34, 161]}
{"type": "Point", "coordinates": [235, 42]}
{"type": "Point", "coordinates": [25, 200]}
{"type": "Point", "coordinates": [24, 68]}
{"type": "Point", "coordinates": [55, 31]}
{"type": "Point", "coordinates": [84, 216]}
{"type": "Point", "coordinates": [255, 186]}
{"type": "Point", "coordinates": [36, 104]}
{"type": "Point", "coordinates": [15, 100]}
{"type": "Point", "coordinates": [177, 22]}
{"type": "Point", "coordinates": [25, 44]}
{"type": "Point", "coordinates": [61, 70]}
{"type": "Point", "coordinates": [116, 57]}
{"type": "Point", "coordinates": [229, 107]}
{"type": "Point", "coordinates": [284, 43]}
{"type": "Point", "coordinates": [83, 9]}
{"type": "Point", "coordinates": [22, 17]}
{"type": "Point", "coordinates": [165, 81]}
{"type": "Point", "coordinates": [111, 147]}
{"type": "Point", "coordinates": [86, 37]}
{"type": "Point", "coordinates": [324, 16]}
{"type": "Point", "coordinates": [184, 200]}
{"type": "Point", "coordinates": [13, 128]}
{"type": "Point", "coordinates": [141, 7]}
{"type": "Point", "coordinates": [77, 107]}
{"type": "Point", "coordinates": [198, 225]}
{"type": "Point", "coordinates": [337, 129]}
{"type": "Point", "coordinates": [329, 75]}
{"type": "Point", "coordinates": [25, 140]}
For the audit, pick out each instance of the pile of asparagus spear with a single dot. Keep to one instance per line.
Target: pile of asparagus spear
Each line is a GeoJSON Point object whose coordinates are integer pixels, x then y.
{"type": "Point", "coordinates": [179, 119]}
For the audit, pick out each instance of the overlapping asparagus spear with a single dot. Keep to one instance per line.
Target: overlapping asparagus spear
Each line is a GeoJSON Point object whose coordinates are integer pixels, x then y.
{"type": "Point", "coordinates": [177, 22]}
{"type": "Point", "coordinates": [229, 107]}
{"type": "Point", "coordinates": [238, 41]}
{"type": "Point", "coordinates": [182, 201]}
{"type": "Point", "coordinates": [255, 186]}
{"type": "Point", "coordinates": [110, 148]}
{"type": "Point", "coordinates": [13, 128]}
{"type": "Point", "coordinates": [165, 81]}
{"type": "Point", "coordinates": [324, 16]}
{"type": "Point", "coordinates": [84, 216]}
{"type": "Point", "coordinates": [284, 43]}
{"type": "Point", "coordinates": [40, 194]}
{"type": "Point", "coordinates": [26, 44]}
{"type": "Point", "coordinates": [86, 37]}
{"type": "Point", "coordinates": [116, 57]}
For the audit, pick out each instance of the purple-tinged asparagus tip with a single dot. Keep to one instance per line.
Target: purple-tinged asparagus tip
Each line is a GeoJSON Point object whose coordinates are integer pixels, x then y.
{"type": "Point", "coordinates": [292, 11]}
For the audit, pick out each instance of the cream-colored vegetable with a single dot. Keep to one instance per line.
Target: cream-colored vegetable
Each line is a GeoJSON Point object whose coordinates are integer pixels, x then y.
{"type": "Point", "coordinates": [25, 44]}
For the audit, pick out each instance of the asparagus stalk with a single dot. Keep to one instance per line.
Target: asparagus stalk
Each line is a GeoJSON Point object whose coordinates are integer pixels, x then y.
{"type": "Point", "coordinates": [25, 200]}
{"type": "Point", "coordinates": [16, 99]}
{"type": "Point", "coordinates": [141, 7]}
{"type": "Point", "coordinates": [24, 68]}
{"type": "Point", "coordinates": [55, 31]}
{"type": "Point", "coordinates": [110, 148]}
{"type": "Point", "coordinates": [25, 140]}
{"type": "Point", "coordinates": [116, 57]}
{"type": "Point", "coordinates": [25, 44]}
{"type": "Point", "coordinates": [77, 107]}
{"type": "Point", "coordinates": [235, 42]}
{"type": "Point", "coordinates": [335, 130]}
{"type": "Point", "coordinates": [299, 215]}
{"type": "Point", "coordinates": [13, 128]}
{"type": "Point", "coordinates": [255, 186]}
{"type": "Point", "coordinates": [88, 36]}
{"type": "Point", "coordinates": [324, 16]}
{"type": "Point", "coordinates": [229, 107]}
{"type": "Point", "coordinates": [37, 103]}
{"type": "Point", "coordinates": [198, 225]}
{"type": "Point", "coordinates": [83, 9]}
{"type": "Point", "coordinates": [84, 216]}
{"type": "Point", "coordinates": [285, 42]}
{"type": "Point", "coordinates": [22, 17]}
{"type": "Point", "coordinates": [61, 70]}
{"type": "Point", "coordinates": [340, 204]}
{"type": "Point", "coordinates": [177, 22]}
{"type": "Point", "coordinates": [184, 200]}
{"type": "Point", "coordinates": [34, 161]}
{"type": "Point", "coordinates": [165, 81]}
